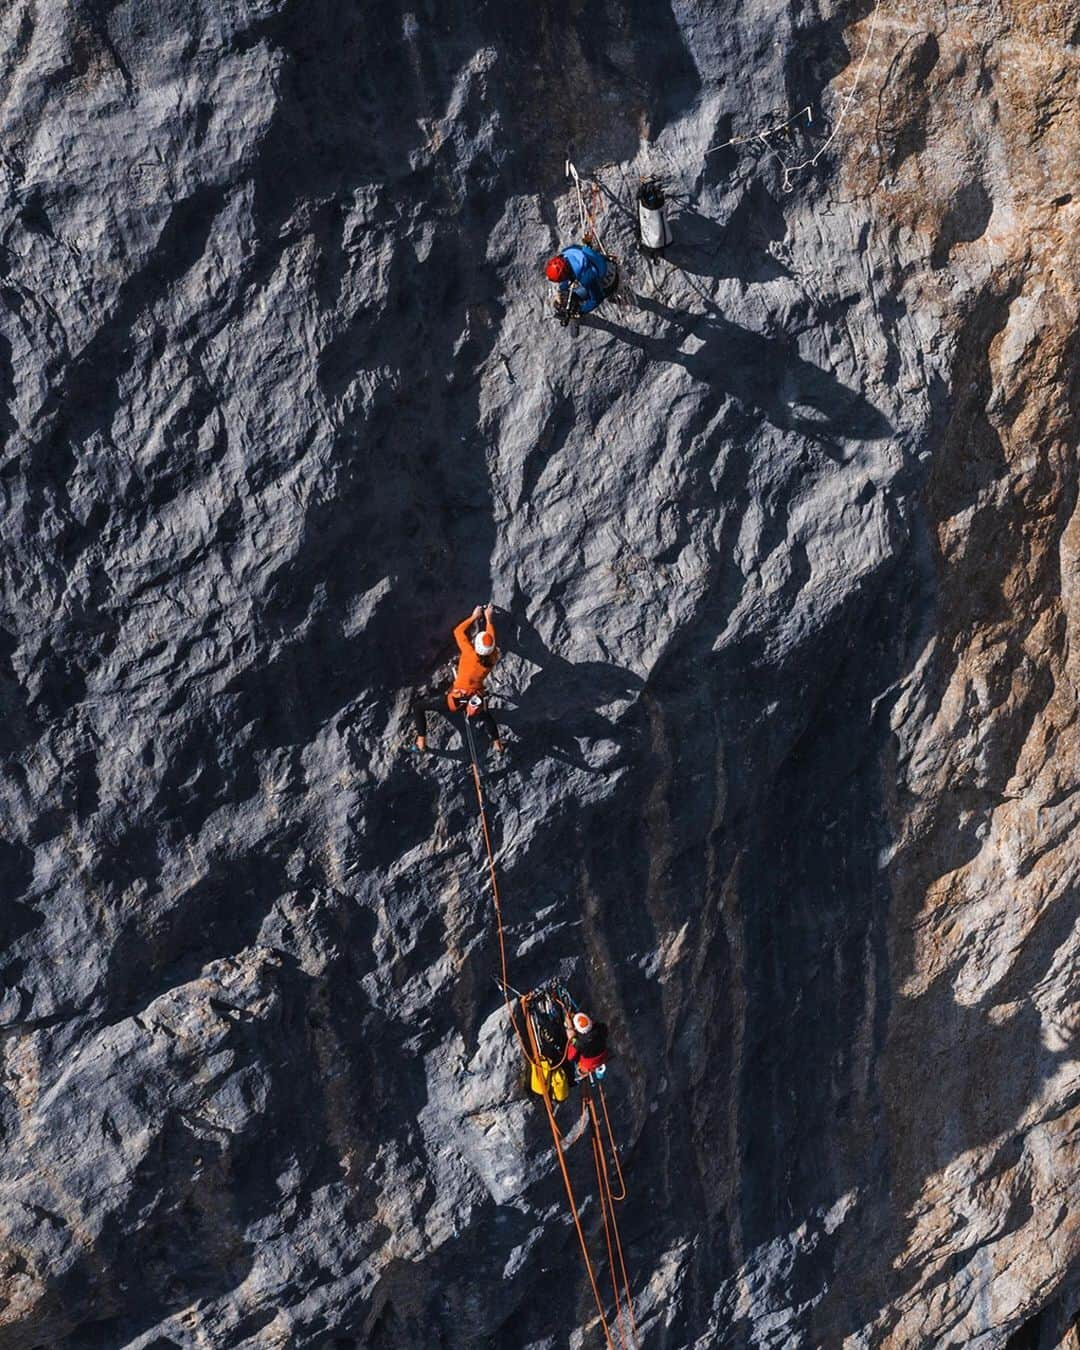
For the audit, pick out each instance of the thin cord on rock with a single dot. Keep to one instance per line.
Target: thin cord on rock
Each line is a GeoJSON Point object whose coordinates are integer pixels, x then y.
{"type": "Point", "coordinates": [790, 169]}
{"type": "Point", "coordinates": [764, 136]}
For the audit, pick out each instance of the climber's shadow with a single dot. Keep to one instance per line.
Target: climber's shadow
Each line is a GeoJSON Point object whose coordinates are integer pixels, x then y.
{"type": "Point", "coordinates": [763, 373]}
{"type": "Point", "coordinates": [562, 701]}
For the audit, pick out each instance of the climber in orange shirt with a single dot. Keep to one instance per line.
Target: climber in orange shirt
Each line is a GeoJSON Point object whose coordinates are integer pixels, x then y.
{"type": "Point", "coordinates": [475, 663]}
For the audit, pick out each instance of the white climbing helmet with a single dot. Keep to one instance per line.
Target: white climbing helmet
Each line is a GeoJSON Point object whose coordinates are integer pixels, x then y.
{"type": "Point", "coordinates": [484, 643]}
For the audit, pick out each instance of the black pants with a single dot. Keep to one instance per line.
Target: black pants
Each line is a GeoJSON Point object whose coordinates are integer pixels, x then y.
{"type": "Point", "coordinates": [421, 708]}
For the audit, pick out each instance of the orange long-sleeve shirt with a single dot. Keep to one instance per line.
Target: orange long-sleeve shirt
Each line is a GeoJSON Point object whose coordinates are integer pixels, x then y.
{"type": "Point", "coordinates": [471, 671]}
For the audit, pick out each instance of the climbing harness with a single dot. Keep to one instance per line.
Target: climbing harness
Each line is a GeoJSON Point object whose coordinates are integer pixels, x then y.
{"type": "Point", "coordinates": [568, 310]}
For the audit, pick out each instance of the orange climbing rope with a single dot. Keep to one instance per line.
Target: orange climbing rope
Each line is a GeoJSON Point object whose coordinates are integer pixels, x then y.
{"type": "Point", "coordinates": [496, 901]}
{"type": "Point", "coordinates": [557, 1139]}
{"type": "Point", "coordinates": [534, 1057]}
{"type": "Point", "coordinates": [604, 1202]}
{"type": "Point", "coordinates": [603, 1102]}
{"type": "Point", "coordinates": [611, 1141]}
{"type": "Point", "coordinates": [611, 1225]}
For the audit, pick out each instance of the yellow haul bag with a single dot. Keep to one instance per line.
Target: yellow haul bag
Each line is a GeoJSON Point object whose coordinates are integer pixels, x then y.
{"type": "Point", "coordinates": [558, 1082]}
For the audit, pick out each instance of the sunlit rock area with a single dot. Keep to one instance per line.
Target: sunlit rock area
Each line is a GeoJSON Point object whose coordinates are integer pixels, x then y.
{"type": "Point", "coordinates": [784, 551]}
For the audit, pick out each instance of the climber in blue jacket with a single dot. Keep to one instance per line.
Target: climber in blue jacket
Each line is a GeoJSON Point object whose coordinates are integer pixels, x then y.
{"type": "Point", "coordinates": [587, 275]}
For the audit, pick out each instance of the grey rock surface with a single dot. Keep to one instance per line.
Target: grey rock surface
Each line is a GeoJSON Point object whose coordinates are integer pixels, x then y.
{"type": "Point", "coordinates": [785, 552]}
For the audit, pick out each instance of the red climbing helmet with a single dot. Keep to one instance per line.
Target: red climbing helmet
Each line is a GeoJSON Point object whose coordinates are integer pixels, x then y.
{"type": "Point", "coordinates": [558, 269]}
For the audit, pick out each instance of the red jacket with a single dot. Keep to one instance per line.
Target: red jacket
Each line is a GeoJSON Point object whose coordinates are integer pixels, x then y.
{"type": "Point", "coordinates": [589, 1050]}
{"type": "Point", "coordinates": [471, 671]}
{"type": "Point", "coordinates": [586, 1063]}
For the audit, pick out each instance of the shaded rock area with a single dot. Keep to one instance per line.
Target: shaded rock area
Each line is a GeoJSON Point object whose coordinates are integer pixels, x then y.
{"type": "Point", "coordinates": [787, 559]}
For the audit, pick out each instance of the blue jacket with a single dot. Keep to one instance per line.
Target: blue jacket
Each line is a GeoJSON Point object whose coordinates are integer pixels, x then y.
{"type": "Point", "coordinates": [590, 271]}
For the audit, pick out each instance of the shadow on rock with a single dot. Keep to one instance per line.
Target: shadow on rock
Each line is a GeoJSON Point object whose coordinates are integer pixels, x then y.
{"type": "Point", "coordinates": [763, 373]}
{"type": "Point", "coordinates": [970, 1129]}
{"type": "Point", "coordinates": [738, 248]}
{"type": "Point", "coordinates": [564, 694]}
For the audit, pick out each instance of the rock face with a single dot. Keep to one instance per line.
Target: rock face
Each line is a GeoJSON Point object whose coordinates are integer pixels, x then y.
{"type": "Point", "coordinates": [787, 555]}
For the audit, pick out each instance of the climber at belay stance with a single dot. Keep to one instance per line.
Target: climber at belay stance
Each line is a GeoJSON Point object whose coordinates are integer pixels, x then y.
{"type": "Point", "coordinates": [476, 659]}
{"type": "Point", "coordinates": [587, 1045]}
{"type": "Point", "coordinates": [585, 277]}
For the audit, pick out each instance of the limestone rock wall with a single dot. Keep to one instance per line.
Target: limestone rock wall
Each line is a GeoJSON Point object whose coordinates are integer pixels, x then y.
{"type": "Point", "coordinates": [785, 553]}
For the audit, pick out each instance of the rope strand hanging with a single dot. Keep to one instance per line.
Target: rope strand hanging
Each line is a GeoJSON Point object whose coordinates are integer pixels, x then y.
{"type": "Point", "coordinates": [790, 169]}
{"type": "Point", "coordinates": [611, 1142]}
{"type": "Point", "coordinates": [586, 219]}
{"type": "Point", "coordinates": [495, 897]}
{"type": "Point", "coordinates": [765, 137]}
{"type": "Point", "coordinates": [623, 1298]}
{"type": "Point", "coordinates": [604, 1206]}
{"type": "Point", "coordinates": [557, 1139]}
{"type": "Point", "coordinates": [611, 1224]}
